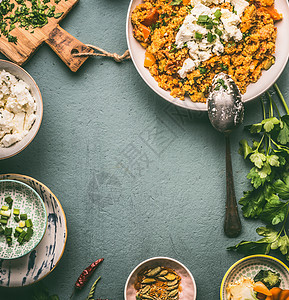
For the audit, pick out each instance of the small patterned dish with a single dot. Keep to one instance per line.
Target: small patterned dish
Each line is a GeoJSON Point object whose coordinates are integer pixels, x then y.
{"type": "Point", "coordinates": [250, 266]}
{"type": "Point", "coordinates": [187, 283]}
{"type": "Point", "coordinates": [28, 202]}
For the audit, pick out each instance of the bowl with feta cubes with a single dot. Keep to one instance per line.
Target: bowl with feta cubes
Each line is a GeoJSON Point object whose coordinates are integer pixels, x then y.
{"type": "Point", "coordinates": [21, 109]}
{"type": "Point", "coordinates": [23, 219]}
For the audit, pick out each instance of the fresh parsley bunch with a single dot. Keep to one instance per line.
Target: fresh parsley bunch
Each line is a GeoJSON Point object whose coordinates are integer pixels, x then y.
{"type": "Point", "coordinates": [268, 200]}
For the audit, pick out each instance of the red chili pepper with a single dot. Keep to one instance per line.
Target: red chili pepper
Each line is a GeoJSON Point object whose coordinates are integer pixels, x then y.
{"type": "Point", "coordinates": [86, 274]}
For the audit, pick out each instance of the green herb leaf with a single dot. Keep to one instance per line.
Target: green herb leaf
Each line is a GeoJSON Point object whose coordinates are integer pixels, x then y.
{"type": "Point", "coordinates": [274, 212]}
{"type": "Point", "coordinates": [256, 128]}
{"type": "Point", "coordinates": [269, 124]}
{"type": "Point", "coordinates": [281, 189]}
{"type": "Point", "coordinates": [283, 136]}
{"type": "Point", "coordinates": [245, 149]}
{"type": "Point", "coordinates": [247, 248]}
{"type": "Point", "coordinates": [258, 159]}
{"type": "Point", "coordinates": [273, 160]}
{"type": "Point", "coordinates": [176, 2]}
{"type": "Point", "coordinates": [253, 202]}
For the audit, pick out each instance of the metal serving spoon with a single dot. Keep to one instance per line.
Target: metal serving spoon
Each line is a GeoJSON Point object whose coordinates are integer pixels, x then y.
{"type": "Point", "coordinates": [226, 112]}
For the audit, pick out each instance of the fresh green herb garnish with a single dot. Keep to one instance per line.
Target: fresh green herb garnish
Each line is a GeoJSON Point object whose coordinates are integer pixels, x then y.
{"type": "Point", "coordinates": [224, 67]}
{"type": "Point", "coordinates": [268, 199]}
{"type": "Point", "coordinates": [176, 2]}
{"type": "Point", "coordinates": [217, 14]}
{"type": "Point", "coordinates": [198, 36]}
{"type": "Point", "coordinates": [218, 32]}
{"type": "Point", "coordinates": [173, 48]}
{"type": "Point", "coordinates": [211, 37]}
{"type": "Point", "coordinates": [220, 82]}
{"type": "Point", "coordinates": [203, 70]}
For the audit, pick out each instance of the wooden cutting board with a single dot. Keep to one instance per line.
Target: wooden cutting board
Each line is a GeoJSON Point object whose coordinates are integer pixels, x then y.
{"type": "Point", "coordinates": [62, 43]}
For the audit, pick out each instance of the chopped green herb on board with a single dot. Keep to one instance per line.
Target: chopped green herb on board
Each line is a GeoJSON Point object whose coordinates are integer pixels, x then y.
{"type": "Point", "coordinates": [268, 199]}
{"type": "Point", "coordinates": [28, 14]}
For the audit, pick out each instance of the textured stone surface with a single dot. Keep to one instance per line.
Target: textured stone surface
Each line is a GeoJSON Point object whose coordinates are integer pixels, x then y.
{"type": "Point", "coordinates": [137, 177]}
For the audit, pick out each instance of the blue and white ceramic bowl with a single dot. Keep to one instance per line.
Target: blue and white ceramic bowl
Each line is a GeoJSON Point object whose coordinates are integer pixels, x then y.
{"type": "Point", "coordinates": [250, 266]}
{"type": "Point", "coordinates": [44, 258]}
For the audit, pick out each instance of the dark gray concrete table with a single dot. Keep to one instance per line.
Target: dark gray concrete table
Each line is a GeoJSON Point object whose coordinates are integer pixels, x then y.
{"type": "Point", "coordinates": [136, 176]}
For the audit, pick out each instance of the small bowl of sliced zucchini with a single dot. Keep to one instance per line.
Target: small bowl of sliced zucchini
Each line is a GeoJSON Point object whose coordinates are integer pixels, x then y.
{"type": "Point", "coordinates": [23, 219]}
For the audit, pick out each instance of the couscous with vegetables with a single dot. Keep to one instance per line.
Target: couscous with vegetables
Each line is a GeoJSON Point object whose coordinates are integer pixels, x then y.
{"type": "Point", "coordinates": [188, 42]}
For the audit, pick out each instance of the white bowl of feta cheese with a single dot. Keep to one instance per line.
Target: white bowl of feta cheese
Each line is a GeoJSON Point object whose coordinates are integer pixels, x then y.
{"type": "Point", "coordinates": [21, 109]}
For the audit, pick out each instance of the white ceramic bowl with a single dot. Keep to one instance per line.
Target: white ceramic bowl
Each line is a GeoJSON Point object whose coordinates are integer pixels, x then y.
{"type": "Point", "coordinates": [189, 290]}
{"type": "Point", "coordinates": [250, 266]}
{"type": "Point", "coordinates": [22, 74]}
{"type": "Point", "coordinates": [254, 90]}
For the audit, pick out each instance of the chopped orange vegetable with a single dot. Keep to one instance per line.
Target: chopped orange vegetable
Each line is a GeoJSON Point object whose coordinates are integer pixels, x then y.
{"type": "Point", "coordinates": [149, 59]}
{"type": "Point", "coordinates": [260, 287]}
{"type": "Point", "coordinates": [284, 295]}
{"type": "Point", "coordinates": [261, 296]}
{"type": "Point", "coordinates": [186, 2]}
{"type": "Point", "coordinates": [271, 10]}
{"type": "Point", "coordinates": [275, 292]}
{"type": "Point", "coordinates": [151, 18]}
{"type": "Point", "coordinates": [269, 298]}
{"type": "Point", "coordinates": [145, 31]}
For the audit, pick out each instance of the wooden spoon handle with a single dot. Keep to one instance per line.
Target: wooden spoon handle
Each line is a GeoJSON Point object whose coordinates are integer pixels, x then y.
{"type": "Point", "coordinates": [232, 224]}
{"type": "Point", "coordinates": [64, 45]}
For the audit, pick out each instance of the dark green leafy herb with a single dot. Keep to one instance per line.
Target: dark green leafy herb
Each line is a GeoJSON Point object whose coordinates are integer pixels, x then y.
{"type": "Point", "coordinates": [40, 292]}
{"type": "Point", "coordinates": [268, 200]}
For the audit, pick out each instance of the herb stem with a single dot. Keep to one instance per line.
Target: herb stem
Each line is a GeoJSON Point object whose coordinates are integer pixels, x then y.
{"type": "Point", "coordinates": [263, 109]}
{"type": "Point", "coordinates": [281, 98]}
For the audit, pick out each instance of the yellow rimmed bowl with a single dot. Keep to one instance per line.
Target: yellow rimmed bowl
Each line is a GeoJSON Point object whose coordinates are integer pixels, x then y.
{"type": "Point", "coordinates": [20, 73]}
{"type": "Point", "coordinates": [250, 266]}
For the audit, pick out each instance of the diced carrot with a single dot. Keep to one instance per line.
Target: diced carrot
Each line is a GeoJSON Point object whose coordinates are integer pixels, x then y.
{"type": "Point", "coordinates": [186, 2]}
{"type": "Point", "coordinates": [271, 10]}
{"type": "Point", "coordinates": [149, 59]}
{"type": "Point", "coordinates": [151, 18]}
{"type": "Point", "coordinates": [260, 287]}
{"type": "Point", "coordinates": [284, 295]}
{"type": "Point", "coordinates": [145, 31]}
{"type": "Point", "coordinates": [261, 296]}
{"type": "Point", "coordinates": [274, 13]}
{"type": "Point", "coordinates": [269, 298]}
{"type": "Point", "coordinates": [275, 292]}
